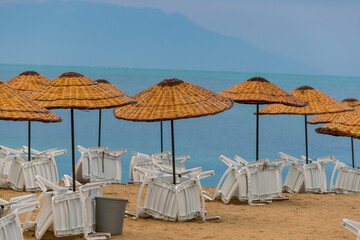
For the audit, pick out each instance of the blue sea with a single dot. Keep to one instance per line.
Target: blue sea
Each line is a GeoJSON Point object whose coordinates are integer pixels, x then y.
{"type": "Point", "coordinates": [204, 139]}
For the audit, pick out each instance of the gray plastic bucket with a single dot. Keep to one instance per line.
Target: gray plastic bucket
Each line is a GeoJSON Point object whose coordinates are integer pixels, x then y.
{"type": "Point", "coordinates": [110, 213]}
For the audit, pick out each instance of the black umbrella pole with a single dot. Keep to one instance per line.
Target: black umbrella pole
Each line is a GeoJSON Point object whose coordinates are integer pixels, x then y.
{"type": "Point", "coordinates": [99, 140]}
{"type": "Point", "coordinates": [73, 149]}
{"type": "Point", "coordinates": [173, 150]}
{"type": "Point", "coordinates": [161, 136]}
{"type": "Point", "coordinates": [29, 141]}
{"type": "Point", "coordinates": [257, 131]}
{"type": "Point", "coordinates": [306, 141]}
{"type": "Point", "coordinates": [352, 151]}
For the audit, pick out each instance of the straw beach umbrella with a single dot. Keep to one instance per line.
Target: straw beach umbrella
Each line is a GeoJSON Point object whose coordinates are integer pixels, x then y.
{"type": "Point", "coordinates": [258, 90]}
{"type": "Point", "coordinates": [17, 107]}
{"type": "Point", "coordinates": [114, 88]}
{"type": "Point", "coordinates": [170, 100]}
{"type": "Point", "coordinates": [319, 103]}
{"type": "Point", "coordinates": [75, 91]}
{"type": "Point", "coordinates": [346, 126]}
{"type": "Point", "coordinates": [331, 117]}
{"type": "Point", "coordinates": [25, 83]}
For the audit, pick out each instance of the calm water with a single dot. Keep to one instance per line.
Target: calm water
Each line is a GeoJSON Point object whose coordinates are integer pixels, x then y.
{"type": "Point", "coordinates": [204, 139]}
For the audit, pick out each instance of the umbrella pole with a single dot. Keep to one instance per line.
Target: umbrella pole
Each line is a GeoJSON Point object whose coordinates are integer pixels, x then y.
{"type": "Point", "coordinates": [29, 141]}
{"type": "Point", "coordinates": [352, 151]}
{"type": "Point", "coordinates": [306, 141]}
{"type": "Point", "coordinates": [99, 140]}
{"type": "Point", "coordinates": [161, 136]}
{"type": "Point", "coordinates": [173, 149]}
{"type": "Point", "coordinates": [257, 131]}
{"type": "Point", "coordinates": [73, 149]}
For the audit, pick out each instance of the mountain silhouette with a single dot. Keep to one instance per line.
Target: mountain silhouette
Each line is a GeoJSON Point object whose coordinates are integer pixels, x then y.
{"type": "Point", "coordinates": [100, 34]}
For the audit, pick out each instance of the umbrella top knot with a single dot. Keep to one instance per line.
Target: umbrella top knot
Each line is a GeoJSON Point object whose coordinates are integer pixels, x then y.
{"type": "Point", "coordinates": [102, 81]}
{"type": "Point", "coordinates": [350, 100]}
{"type": "Point", "coordinates": [29, 73]}
{"type": "Point", "coordinates": [71, 75]}
{"type": "Point", "coordinates": [258, 79]}
{"type": "Point", "coordinates": [170, 82]}
{"type": "Point", "coordinates": [304, 88]}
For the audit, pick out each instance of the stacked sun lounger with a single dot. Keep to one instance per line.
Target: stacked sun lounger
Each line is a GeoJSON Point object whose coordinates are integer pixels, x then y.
{"type": "Point", "coordinates": [151, 162]}
{"type": "Point", "coordinates": [10, 225]}
{"type": "Point", "coordinates": [167, 201]}
{"type": "Point", "coordinates": [311, 177]}
{"type": "Point", "coordinates": [256, 182]}
{"type": "Point", "coordinates": [66, 212]}
{"type": "Point", "coordinates": [21, 174]}
{"type": "Point", "coordinates": [98, 164]}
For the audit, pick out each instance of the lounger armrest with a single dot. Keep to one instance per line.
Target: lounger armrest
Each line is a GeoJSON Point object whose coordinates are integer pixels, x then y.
{"type": "Point", "coordinates": [68, 180]}
{"type": "Point", "coordinates": [26, 149]}
{"type": "Point", "coordinates": [25, 207]}
{"type": "Point", "coordinates": [44, 184]}
{"type": "Point", "coordinates": [202, 175]}
{"type": "Point", "coordinates": [278, 161]}
{"type": "Point", "coordinates": [182, 158]}
{"type": "Point", "coordinates": [23, 199]}
{"type": "Point", "coordinates": [162, 154]}
{"type": "Point", "coordinates": [116, 152]}
{"type": "Point", "coordinates": [302, 157]}
{"type": "Point", "coordinates": [325, 160]}
{"type": "Point", "coordinates": [228, 162]}
{"type": "Point", "coordinates": [59, 152]}
{"type": "Point", "coordinates": [141, 155]}
{"type": "Point", "coordinates": [145, 171]}
{"type": "Point", "coordinates": [240, 160]}
{"type": "Point", "coordinates": [81, 149]}
{"type": "Point", "coordinates": [288, 157]}
{"type": "Point", "coordinates": [352, 226]}
{"type": "Point", "coordinates": [10, 150]}
{"type": "Point", "coordinates": [258, 162]}
{"type": "Point", "coordinates": [98, 149]}
{"type": "Point", "coordinates": [91, 186]}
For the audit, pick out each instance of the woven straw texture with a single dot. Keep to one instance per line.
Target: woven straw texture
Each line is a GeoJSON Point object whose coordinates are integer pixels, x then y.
{"type": "Point", "coordinates": [318, 103]}
{"type": "Point", "coordinates": [339, 130]}
{"type": "Point", "coordinates": [111, 86]}
{"type": "Point", "coordinates": [331, 117]}
{"type": "Point", "coordinates": [173, 99]}
{"type": "Point", "coordinates": [17, 107]}
{"type": "Point", "coordinates": [73, 90]}
{"type": "Point", "coordinates": [27, 82]}
{"type": "Point", "coordinates": [258, 90]}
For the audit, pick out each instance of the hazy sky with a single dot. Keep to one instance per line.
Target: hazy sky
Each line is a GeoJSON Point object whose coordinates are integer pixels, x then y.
{"type": "Point", "coordinates": [321, 33]}
{"type": "Point", "coordinates": [324, 33]}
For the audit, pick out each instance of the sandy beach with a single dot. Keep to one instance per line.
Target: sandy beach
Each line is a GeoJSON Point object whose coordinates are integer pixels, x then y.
{"type": "Point", "coordinates": [305, 216]}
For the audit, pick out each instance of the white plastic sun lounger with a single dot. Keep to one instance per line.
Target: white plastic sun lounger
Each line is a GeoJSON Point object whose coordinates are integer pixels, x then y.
{"type": "Point", "coordinates": [22, 172]}
{"type": "Point", "coordinates": [294, 181]}
{"type": "Point", "coordinates": [315, 176]}
{"type": "Point", "coordinates": [347, 181]}
{"type": "Point", "coordinates": [152, 162]}
{"type": "Point", "coordinates": [98, 164]}
{"type": "Point", "coordinates": [228, 186]}
{"type": "Point", "coordinates": [352, 226]}
{"type": "Point", "coordinates": [65, 210]}
{"type": "Point", "coordinates": [10, 225]}
{"type": "Point", "coordinates": [170, 202]}
{"type": "Point", "coordinates": [261, 181]}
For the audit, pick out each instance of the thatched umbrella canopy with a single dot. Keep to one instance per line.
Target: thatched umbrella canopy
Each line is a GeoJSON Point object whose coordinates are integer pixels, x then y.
{"type": "Point", "coordinates": [114, 88]}
{"type": "Point", "coordinates": [173, 99]}
{"type": "Point", "coordinates": [331, 117]}
{"type": "Point", "coordinates": [26, 83]}
{"type": "Point", "coordinates": [15, 106]}
{"type": "Point", "coordinates": [258, 90]}
{"type": "Point", "coordinates": [319, 103]}
{"type": "Point", "coordinates": [75, 91]}
{"type": "Point", "coordinates": [345, 126]}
